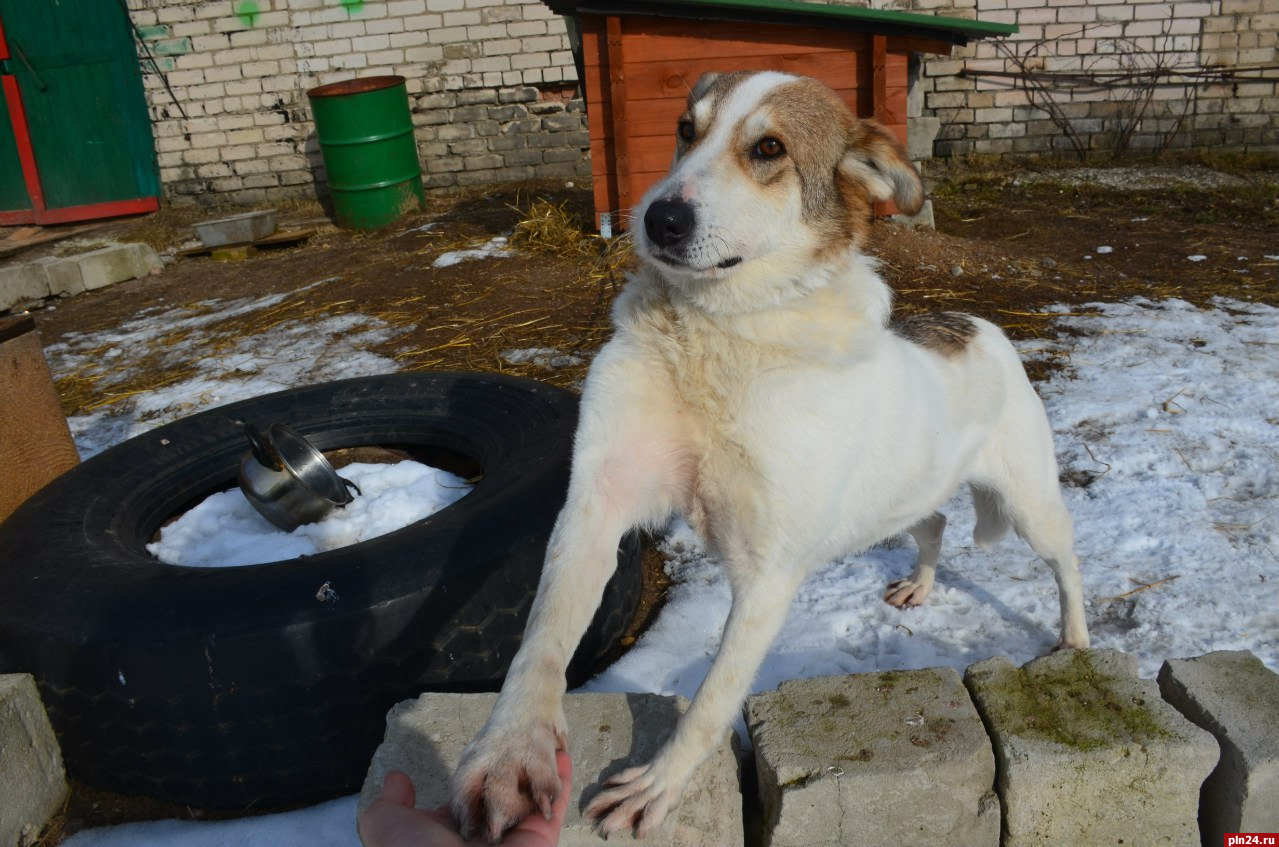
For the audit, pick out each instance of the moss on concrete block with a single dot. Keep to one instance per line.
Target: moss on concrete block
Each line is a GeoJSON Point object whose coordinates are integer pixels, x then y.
{"type": "Point", "coordinates": [1088, 753]}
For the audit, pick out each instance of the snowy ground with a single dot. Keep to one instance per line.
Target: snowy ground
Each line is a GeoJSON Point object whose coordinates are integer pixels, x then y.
{"type": "Point", "coordinates": [1167, 423]}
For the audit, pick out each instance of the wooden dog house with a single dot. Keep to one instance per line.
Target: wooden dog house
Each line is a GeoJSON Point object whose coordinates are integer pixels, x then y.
{"type": "Point", "coordinates": [640, 58]}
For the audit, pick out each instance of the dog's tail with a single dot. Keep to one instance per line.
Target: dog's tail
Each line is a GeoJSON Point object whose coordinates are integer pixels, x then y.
{"type": "Point", "coordinates": [992, 517]}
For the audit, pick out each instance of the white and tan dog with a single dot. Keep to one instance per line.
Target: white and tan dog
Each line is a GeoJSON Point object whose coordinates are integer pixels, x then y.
{"type": "Point", "coordinates": [756, 385]}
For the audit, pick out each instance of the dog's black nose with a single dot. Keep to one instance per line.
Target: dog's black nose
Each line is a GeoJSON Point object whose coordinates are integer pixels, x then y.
{"type": "Point", "coordinates": [668, 221]}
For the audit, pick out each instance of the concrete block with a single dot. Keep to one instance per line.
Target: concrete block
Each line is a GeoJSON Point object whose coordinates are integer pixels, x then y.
{"type": "Point", "coordinates": [1089, 754]}
{"type": "Point", "coordinates": [64, 276]}
{"type": "Point", "coordinates": [31, 771]}
{"type": "Point", "coordinates": [148, 261]}
{"type": "Point", "coordinates": [22, 283]}
{"type": "Point", "coordinates": [923, 219]}
{"type": "Point", "coordinates": [607, 734]}
{"type": "Point", "coordinates": [883, 758]}
{"type": "Point", "coordinates": [1235, 697]}
{"type": "Point", "coordinates": [109, 265]}
{"type": "Point", "coordinates": [920, 136]}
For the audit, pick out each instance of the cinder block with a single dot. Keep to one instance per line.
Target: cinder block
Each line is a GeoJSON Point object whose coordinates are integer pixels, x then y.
{"type": "Point", "coordinates": [1089, 754]}
{"type": "Point", "coordinates": [22, 284]}
{"type": "Point", "coordinates": [607, 734]}
{"type": "Point", "coordinates": [108, 265]}
{"type": "Point", "coordinates": [148, 261]}
{"type": "Point", "coordinates": [1236, 698]}
{"type": "Point", "coordinates": [876, 759]}
{"type": "Point", "coordinates": [923, 219]}
{"type": "Point", "coordinates": [923, 131]}
{"type": "Point", "coordinates": [31, 771]}
{"type": "Point", "coordinates": [63, 274]}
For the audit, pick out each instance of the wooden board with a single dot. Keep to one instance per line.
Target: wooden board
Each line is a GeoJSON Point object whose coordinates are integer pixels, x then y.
{"type": "Point", "coordinates": [665, 39]}
{"type": "Point", "coordinates": [278, 239]}
{"type": "Point", "coordinates": [13, 244]}
{"type": "Point", "coordinates": [35, 442]}
{"type": "Point", "coordinates": [654, 88]}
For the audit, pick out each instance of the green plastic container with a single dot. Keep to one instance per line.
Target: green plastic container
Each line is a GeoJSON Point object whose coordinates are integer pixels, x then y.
{"type": "Point", "coordinates": [366, 136]}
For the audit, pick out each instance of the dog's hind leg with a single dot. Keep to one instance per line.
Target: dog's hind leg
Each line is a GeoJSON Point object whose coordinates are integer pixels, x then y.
{"type": "Point", "coordinates": [1031, 501]}
{"type": "Point", "coordinates": [914, 589]}
{"type": "Point", "coordinates": [1046, 526]}
{"type": "Point", "coordinates": [1015, 482]}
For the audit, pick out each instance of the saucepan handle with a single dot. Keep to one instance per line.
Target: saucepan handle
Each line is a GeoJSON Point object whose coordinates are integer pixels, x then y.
{"type": "Point", "coordinates": [350, 484]}
{"type": "Point", "coordinates": [262, 448]}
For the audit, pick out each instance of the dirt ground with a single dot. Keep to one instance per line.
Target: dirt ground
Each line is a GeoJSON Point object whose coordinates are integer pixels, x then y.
{"type": "Point", "coordinates": [1008, 243]}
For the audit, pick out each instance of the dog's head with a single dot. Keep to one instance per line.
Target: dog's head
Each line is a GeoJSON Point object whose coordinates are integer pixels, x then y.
{"type": "Point", "coordinates": [773, 178]}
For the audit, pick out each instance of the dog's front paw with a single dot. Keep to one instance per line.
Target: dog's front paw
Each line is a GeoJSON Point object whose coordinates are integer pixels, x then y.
{"type": "Point", "coordinates": [907, 592]}
{"type": "Point", "coordinates": [505, 775]}
{"type": "Point", "coordinates": [636, 799]}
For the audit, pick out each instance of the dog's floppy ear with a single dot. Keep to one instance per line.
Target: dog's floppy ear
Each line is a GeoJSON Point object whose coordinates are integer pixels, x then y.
{"type": "Point", "coordinates": [877, 160]}
{"type": "Point", "coordinates": [703, 84]}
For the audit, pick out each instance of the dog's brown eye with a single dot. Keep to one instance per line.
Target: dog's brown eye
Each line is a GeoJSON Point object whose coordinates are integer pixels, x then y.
{"type": "Point", "coordinates": [685, 131]}
{"type": "Point", "coordinates": [769, 148]}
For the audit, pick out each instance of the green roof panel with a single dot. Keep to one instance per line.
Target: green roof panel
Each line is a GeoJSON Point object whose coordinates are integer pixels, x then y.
{"type": "Point", "coordinates": [887, 21]}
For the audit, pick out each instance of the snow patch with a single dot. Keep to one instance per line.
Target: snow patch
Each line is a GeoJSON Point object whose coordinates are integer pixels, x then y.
{"type": "Point", "coordinates": [494, 248]}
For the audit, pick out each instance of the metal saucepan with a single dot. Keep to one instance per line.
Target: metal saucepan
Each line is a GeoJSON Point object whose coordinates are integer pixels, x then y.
{"type": "Point", "coordinates": [287, 480]}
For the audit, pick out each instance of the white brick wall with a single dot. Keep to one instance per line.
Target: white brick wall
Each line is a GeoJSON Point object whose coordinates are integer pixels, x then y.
{"type": "Point", "coordinates": [240, 70]}
{"type": "Point", "coordinates": [478, 71]}
{"type": "Point", "coordinates": [1209, 47]}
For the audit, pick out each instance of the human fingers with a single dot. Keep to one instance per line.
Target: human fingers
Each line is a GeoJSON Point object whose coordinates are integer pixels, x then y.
{"type": "Point", "coordinates": [392, 821]}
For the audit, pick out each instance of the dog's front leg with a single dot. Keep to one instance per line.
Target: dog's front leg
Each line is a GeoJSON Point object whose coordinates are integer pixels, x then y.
{"type": "Point", "coordinates": [628, 463]}
{"type": "Point", "coordinates": [640, 797]}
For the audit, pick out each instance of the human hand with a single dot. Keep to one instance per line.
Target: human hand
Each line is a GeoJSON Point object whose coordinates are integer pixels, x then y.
{"type": "Point", "coordinates": [392, 821]}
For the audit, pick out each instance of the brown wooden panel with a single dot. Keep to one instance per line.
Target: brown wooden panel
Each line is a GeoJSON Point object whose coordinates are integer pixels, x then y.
{"type": "Point", "coordinates": [652, 155]}
{"type": "Point", "coordinates": [656, 80]}
{"type": "Point", "coordinates": [894, 107]}
{"type": "Point", "coordinates": [601, 155]}
{"type": "Point", "coordinates": [658, 117]}
{"type": "Point", "coordinates": [658, 39]}
{"type": "Point", "coordinates": [619, 96]}
{"type": "Point", "coordinates": [662, 80]}
{"type": "Point", "coordinates": [599, 108]}
{"type": "Point", "coordinates": [879, 76]}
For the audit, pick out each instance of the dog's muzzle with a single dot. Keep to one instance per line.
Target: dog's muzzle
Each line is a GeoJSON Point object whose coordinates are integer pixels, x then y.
{"type": "Point", "coordinates": [669, 223]}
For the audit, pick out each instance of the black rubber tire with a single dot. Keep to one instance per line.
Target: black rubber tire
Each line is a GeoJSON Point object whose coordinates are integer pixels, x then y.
{"type": "Point", "coordinates": [237, 687]}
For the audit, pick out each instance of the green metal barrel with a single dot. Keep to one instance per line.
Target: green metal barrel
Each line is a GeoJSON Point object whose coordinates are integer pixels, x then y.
{"type": "Point", "coordinates": [366, 135]}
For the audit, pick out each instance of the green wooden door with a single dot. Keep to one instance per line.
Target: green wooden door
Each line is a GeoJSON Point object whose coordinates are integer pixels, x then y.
{"type": "Point", "coordinates": [78, 76]}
